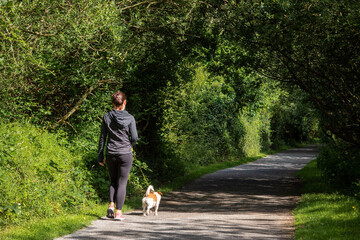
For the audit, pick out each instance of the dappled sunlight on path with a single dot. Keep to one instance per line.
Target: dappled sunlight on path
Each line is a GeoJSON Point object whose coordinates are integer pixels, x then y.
{"type": "Point", "coordinates": [250, 201]}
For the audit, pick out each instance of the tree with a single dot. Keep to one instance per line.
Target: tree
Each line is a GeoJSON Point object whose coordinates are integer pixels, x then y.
{"type": "Point", "coordinates": [312, 44]}
{"type": "Point", "coordinates": [55, 54]}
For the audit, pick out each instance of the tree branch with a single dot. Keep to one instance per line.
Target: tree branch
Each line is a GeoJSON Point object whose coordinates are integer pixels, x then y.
{"type": "Point", "coordinates": [77, 105]}
{"type": "Point", "coordinates": [147, 122]}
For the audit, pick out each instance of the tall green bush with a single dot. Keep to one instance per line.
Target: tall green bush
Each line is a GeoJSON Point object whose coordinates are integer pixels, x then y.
{"type": "Point", "coordinates": [39, 175]}
{"type": "Point", "coordinates": [198, 120]}
{"type": "Point", "coordinates": [204, 123]}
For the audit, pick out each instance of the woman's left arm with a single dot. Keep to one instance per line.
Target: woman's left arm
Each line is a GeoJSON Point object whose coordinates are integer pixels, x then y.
{"type": "Point", "coordinates": [102, 140]}
{"type": "Point", "coordinates": [133, 132]}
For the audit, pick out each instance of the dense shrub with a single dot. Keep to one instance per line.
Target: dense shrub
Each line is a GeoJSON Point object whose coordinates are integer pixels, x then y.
{"type": "Point", "coordinates": [202, 122]}
{"type": "Point", "coordinates": [39, 175]}
{"type": "Point", "coordinates": [197, 125]}
{"type": "Point", "coordinates": [340, 164]}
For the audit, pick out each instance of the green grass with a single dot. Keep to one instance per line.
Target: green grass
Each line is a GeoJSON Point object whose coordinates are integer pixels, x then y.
{"type": "Point", "coordinates": [322, 212]}
{"type": "Point", "coordinates": [50, 228]}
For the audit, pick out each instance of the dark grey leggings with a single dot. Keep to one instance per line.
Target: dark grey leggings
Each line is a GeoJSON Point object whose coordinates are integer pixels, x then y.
{"type": "Point", "coordinates": [119, 167]}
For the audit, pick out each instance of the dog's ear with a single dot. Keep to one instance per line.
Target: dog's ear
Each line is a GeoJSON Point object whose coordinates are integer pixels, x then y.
{"type": "Point", "coordinates": [160, 193]}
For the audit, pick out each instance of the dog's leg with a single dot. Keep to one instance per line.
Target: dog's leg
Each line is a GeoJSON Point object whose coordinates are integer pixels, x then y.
{"type": "Point", "coordinates": [148, 210]}
{"type": "Point", "coordinates": [144, 211]}
{"type": "Point", "coordinates": [156, 208]}
{"type": "Point", "coordinates": [157, 204]}
{"type": "Point", "coordinates": [144, 207]}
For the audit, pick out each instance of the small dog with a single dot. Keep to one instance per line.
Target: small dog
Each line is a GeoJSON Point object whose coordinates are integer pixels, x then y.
{"type": "Point", "coordinates": [151, 199]}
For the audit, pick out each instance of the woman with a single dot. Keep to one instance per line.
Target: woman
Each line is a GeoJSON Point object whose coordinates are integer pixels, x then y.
{"type": "Point", "coordinates": [118, 129]}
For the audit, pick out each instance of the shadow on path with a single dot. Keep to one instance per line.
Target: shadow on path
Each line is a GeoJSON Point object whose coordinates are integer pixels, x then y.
{"type": "Point", "coordinates": [250, 201]}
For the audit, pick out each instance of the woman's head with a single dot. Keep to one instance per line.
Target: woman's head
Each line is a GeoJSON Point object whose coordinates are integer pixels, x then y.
{"type": "Point", "coordinates": [118, 99]}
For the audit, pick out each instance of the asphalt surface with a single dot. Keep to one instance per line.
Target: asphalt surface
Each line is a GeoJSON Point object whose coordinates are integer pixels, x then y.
{"type": "Point", "coordinates": [250, 201]}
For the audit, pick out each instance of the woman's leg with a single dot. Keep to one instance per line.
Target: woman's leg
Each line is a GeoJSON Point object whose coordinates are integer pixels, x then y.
{"type": "Point", "coordinates": [125, 164]}
{"type": "Point", "coordinates": [113, 167]}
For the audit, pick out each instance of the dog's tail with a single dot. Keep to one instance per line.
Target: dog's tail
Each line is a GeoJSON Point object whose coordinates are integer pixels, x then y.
{"type": "Point", "coordinates": [149, 189]}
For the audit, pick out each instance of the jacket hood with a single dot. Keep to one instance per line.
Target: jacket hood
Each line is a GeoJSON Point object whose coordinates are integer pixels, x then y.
{"type": "Point", "coordinates": [122, 118]}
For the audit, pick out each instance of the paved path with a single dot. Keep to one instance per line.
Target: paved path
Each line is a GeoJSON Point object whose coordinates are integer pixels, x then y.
{"type": "Point", "coordinates": [250, 201]}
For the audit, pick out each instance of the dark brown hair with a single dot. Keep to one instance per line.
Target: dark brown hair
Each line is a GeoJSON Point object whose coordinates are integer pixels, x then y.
{"type": "Point", "coordinates": [118, 98]}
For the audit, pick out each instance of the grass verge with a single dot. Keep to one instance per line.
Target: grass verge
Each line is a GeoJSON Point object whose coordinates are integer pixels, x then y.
{"type": "Point", "coordinates": [50, 228]}
{"type": "Point", "coordinates": [324, 213]}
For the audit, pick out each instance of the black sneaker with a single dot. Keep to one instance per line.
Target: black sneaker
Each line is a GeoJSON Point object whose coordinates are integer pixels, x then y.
{"type": "Point", "coordinates": [110, 213]}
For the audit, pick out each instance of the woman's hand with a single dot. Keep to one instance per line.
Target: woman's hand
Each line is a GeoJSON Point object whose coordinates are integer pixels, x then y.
{"type": "Point", "coordinates": [102, 163]}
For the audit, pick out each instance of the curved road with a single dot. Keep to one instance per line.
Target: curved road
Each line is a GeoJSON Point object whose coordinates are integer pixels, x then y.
{"type": "Point", "coordinates": [250, 201]}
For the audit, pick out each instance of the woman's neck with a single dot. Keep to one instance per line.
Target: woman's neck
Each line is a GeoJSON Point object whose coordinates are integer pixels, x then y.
{"type": "Point", "coordinates": [122, 108]}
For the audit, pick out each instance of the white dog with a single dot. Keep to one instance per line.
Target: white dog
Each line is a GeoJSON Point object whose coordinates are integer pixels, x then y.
{"type": "Point", "coordinates": [151, 199]}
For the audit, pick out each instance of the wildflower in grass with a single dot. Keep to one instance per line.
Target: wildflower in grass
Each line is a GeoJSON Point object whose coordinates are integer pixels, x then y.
{"type": "Point", "coordinates": [355, 209]}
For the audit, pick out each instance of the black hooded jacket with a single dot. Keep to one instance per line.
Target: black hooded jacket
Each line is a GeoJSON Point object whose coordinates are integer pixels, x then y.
{"type": "Point", "coordinates": [119, 129]}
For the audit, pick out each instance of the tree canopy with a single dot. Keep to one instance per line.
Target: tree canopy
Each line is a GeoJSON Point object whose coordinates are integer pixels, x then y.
{"type": "Point", "coordinates": [54, 55]}
{"type": "Point", "coordinates": [311, 44]}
